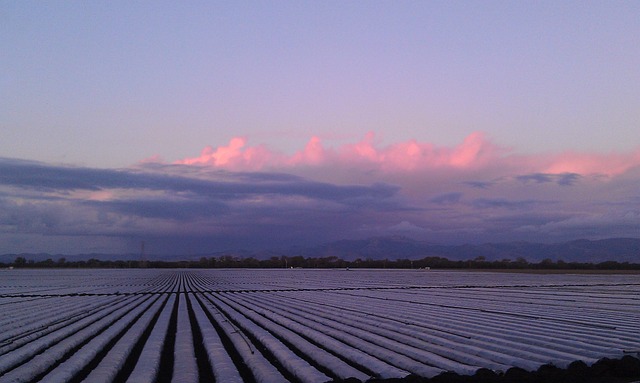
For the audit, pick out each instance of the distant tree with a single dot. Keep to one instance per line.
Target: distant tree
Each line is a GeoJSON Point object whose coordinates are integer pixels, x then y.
{"type": "Point", "coordinates": [297, 261]}
{"type": "Point", "coordinates": [521, 263]}
{"type": "Point", "coordinates": [608, 265]}
{"type": "Point", "coordinates": [546, 263]}
{"type": "Point", "coordinates": [20, 262]}
{"type": "Point", "coordinates": [230, 261]}
{"type": "Point", "coordinates": [250, 262]}
{"type": "Point", "coordinates": [560, 264]}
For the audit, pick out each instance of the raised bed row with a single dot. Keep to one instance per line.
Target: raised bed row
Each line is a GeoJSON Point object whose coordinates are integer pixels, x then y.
{"type": "Point", "coordinates": [304, 326]}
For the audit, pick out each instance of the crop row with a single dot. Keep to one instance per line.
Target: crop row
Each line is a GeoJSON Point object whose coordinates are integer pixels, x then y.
{"type": "Point", "coordinates": [304, 325]}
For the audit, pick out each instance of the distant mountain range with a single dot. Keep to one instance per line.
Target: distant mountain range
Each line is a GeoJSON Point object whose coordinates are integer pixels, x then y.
{"type": "Point", "coordinates": [396, 247]}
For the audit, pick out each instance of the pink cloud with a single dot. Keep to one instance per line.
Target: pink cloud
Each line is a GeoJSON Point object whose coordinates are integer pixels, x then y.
{"type": "Point", "coordinates": [474, 153]}
{"type": "Point", "coordinates": [236, 155]}
{"type": "Point", "coordinates": [586, 163]}
{"type": "Point", "coordinates": [312, 154]}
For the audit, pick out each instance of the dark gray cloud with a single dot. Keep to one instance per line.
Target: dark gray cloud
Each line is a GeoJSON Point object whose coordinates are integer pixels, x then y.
{"type": "Point", "coordinates": [492, 203]}
{"type": "Point", "coordinates": [189, 204]}
{"type": "Point", "coordinates": [30, 217]}
{"type": "Point", "coordinates": [537, 178]}
{"type": "Point", "coordinates": [564, 179]}
{"type": "Point", "coordinates": [480, 184]}
{"type": "Point", "coordinates": [37, 176]}
{"type": "Point", "coordinates": [163, 209]}
{"type": "Point", "coordinates": [568, 179]}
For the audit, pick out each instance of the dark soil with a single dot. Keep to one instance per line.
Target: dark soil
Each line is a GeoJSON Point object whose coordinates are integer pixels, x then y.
{"type": "Point", "coordinates": [624, 370]}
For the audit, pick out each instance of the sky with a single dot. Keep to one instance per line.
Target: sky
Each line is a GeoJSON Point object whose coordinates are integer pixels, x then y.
{"type": "Point", "coordinates": [207, 126]}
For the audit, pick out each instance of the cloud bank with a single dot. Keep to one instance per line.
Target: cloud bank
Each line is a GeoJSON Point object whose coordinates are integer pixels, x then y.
{"type": "Point", "coordinates": [247, 196]}
{"type": "Point", "coordinates": [475, 152]}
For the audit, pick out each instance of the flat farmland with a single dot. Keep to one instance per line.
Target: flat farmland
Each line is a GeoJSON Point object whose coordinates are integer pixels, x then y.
{"type": "Point", "coordinates": [303, 325]}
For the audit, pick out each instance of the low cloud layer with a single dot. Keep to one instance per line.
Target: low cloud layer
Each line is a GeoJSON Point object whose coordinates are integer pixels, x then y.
{"type": "Point", "coordinates": [241, 196]}
{"type": "Point", "coordinates": [189, 204]}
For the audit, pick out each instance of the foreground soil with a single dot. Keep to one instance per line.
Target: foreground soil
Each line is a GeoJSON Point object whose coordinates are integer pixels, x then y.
{"type": "Point", "coordinates": [624, 370]}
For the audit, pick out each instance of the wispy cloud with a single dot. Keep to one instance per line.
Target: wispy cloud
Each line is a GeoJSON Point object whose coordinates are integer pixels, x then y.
{"type": "Point", "coordinates": [447, 198]}
{"type": "Point", "coordinates": [564, 179]}
{"type": "Point", "coordinates": [502, 203]}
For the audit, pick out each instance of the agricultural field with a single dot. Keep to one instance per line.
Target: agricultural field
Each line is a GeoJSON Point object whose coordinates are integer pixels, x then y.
{"type": "Point", "coordinates": [303, 325]}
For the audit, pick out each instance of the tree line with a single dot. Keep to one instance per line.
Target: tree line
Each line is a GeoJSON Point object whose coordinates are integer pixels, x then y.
{"type": "Point", "coordinates": [330, 262]}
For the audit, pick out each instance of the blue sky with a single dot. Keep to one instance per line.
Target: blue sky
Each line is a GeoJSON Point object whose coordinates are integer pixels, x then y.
{"type": "Point", "coordinates": [518, 118]}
